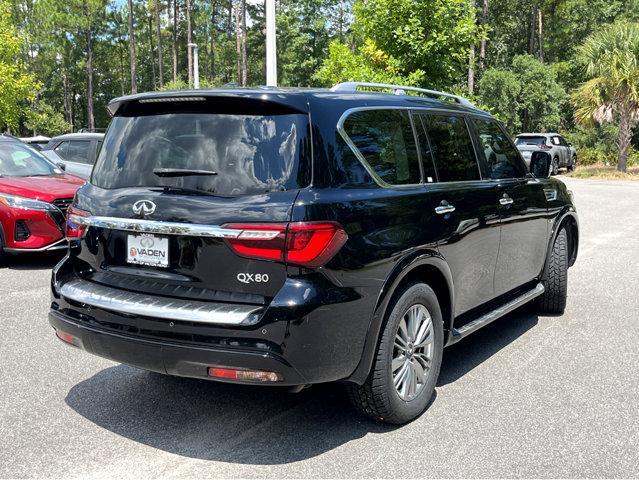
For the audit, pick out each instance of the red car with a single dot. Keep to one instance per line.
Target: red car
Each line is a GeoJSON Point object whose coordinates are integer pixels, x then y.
{"type": "Point", "coordinates": [34, 196]}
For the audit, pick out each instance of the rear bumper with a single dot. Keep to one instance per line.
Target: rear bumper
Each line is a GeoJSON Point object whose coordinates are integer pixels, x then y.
{"type": "Point", "coordinates": [172, 358]}
{"type": "Point", "coordinates": [312, 331]}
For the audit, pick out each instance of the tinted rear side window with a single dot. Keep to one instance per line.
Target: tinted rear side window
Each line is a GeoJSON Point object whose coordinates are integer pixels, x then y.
{"type": "Point", "coordinates": [251, 154]}
{"type": "Point", "coordinates": [452, 148]}
{"type": "Point", "coordinates": [386, 141]}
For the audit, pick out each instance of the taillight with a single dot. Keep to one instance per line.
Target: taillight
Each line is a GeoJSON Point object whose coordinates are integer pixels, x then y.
{"type": "Point", "coordinates": [307, 244]}
{"type": "Point", "coordinates": [543, 146]}
{"type": "Point", "coordinates": [75, 228]}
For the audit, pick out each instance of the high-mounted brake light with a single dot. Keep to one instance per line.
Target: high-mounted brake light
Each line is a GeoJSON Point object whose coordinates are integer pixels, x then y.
{"type": "Point", "coordinates": [75, 228]}
{"type": "Point", "coordinates": [307, 244]}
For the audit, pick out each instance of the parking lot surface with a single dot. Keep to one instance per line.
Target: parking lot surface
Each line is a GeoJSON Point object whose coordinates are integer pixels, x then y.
{"type": "Point", "coordinates": [528, 396]}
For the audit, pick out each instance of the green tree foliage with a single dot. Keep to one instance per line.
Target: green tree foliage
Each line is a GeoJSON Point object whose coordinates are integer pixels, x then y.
{"type": "Point", "coordinates": [526, 96]}
{"type": "Point", "coordinates": [499, 92]}
{"type": "Point", "coordinates": [428, 35]}
{"type": "Point", "coordinates": [16, 85]}
{"type": "Point", "coordinates": [43, 119]}
{"type": "Point", "coordinates": [611, 60]}
{"type": "Point", "coordinates": [304, 33]}
{"type": "Point", "coordinates": [369, 64]}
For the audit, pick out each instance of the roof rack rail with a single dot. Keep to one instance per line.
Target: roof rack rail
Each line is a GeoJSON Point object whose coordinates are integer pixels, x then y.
{"type": "Point", "coordinates": [399, 90]}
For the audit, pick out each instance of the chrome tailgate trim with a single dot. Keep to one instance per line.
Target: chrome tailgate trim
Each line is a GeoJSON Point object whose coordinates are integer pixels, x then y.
{"type": "Point", "coordinates": [155, 226]}
{"type": "Point", "coordinates": [123, 301]}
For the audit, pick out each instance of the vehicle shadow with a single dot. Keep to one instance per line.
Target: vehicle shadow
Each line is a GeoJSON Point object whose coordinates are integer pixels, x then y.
{"type": "Point", "coordinates": [31, 261]}
{"type": "Point", "coordinates": [252, 425]}
{"type": "Point", "coordinates": [461, 358]}
{"type": "Point", "coordinates": [217, 421]}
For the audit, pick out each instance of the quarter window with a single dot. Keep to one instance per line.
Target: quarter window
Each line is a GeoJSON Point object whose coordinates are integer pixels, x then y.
{"type": "Point", "coordinates": [385, 139]}
{"type": "Point", "coordinates": [499, 157]}
{"type": "Point", "coordinates": [452, 148]}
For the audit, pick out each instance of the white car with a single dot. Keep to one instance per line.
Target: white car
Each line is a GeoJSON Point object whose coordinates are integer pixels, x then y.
{"type": "Point", "coordinates": [76, 151]}
{"type": "Point", "coordinates": [562, 153]}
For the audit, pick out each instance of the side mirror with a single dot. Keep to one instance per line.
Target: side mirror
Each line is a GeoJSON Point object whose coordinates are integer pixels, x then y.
{"type": "Point", "coordinates": [540, 164]}
{"type": "Point", "coordinates": [61, 166]}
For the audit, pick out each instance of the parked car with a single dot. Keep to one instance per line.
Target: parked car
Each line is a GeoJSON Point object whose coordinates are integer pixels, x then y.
{"type": "Point", "coordinates": [77, 151]}
{"type": "Point", "coordinates": [34, 196]}
{"type": "Point", "coordinates": [38, 141]}
{"type": "Point", "coordinates": [294, 237]}
{"type": "Point", "coordinates": [562, 153]}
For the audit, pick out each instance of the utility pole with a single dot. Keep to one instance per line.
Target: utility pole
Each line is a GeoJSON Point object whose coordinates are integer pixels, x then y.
{"type": "Point", "coordinates": [196, 66]}
{"type": "Point", "coordinates": [271, 51]}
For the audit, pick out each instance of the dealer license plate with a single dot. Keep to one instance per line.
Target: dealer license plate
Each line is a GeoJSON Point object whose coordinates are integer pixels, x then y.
{"type": "Point", "coordinates": [148, 250]}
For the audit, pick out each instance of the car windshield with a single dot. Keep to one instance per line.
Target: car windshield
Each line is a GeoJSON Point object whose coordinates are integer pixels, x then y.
{"type": "Point", "coordinates": [530, 140]}
{"type": "Point", "coordinates": [17, 160]}
{"type": "Point", "coordinates": [240, 154]}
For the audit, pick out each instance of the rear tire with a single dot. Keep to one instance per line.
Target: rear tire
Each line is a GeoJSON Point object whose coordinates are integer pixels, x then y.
{"type": "Point", "coordinates": [402, 382]}
{"type": "Point", "coordinates": [554, 167]}
{"type": "Point", "coordinates": [555, 277]}
{"type": "Point", "coordinates": [573, 164]}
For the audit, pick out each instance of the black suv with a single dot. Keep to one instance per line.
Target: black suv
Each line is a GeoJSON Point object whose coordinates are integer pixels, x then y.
{"type": "Point", "coordinates": [293, 237]}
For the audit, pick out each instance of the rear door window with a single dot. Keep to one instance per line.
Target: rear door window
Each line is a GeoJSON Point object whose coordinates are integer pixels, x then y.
{"type": "Point", "coordinates": [385, 140]}
{"type": "Point", "coordinates": [249, 154]}
{"type": "Point", "coordinates": [452, 148]}
{"type": "Point", "coordinates": [498, 156]}
{"type": "Point", "coordinates": [78, 151]}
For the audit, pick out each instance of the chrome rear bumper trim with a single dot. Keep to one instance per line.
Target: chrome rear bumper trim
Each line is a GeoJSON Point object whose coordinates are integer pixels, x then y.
{"type": "Point", "coordinates": [154, 226]}
{"type": "Point", "coordinates": [123, 301]}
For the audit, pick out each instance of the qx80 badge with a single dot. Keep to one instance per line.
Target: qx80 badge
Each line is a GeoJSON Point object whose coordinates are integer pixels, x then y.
{"type": "Point", "coordinates": [252, 277]}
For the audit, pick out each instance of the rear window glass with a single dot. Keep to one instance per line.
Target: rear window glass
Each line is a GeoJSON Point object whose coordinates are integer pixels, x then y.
{"type": "Point", "coordinates": [250, 154]}
{"type": "Point", "coordinates": [530, 140]}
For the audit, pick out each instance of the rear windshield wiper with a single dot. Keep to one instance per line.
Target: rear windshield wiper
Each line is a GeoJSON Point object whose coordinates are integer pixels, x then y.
{"type": "Point", "coordinates": [181, 172]}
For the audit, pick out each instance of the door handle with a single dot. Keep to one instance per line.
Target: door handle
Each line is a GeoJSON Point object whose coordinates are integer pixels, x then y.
{"type": "Point", "coordinates": [506, 200]}
{"type": "Point", "coordinates": [444, 208]}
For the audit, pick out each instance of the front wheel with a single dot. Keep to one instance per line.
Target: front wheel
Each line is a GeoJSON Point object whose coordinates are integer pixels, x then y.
{"type": "Point", "coordinates": [555, 277]}
{"type": "Point", "coordinates": [409, 354]}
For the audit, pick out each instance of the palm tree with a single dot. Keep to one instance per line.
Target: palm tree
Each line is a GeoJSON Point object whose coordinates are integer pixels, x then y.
{"type": "Point", "coordinates": [611, 58]}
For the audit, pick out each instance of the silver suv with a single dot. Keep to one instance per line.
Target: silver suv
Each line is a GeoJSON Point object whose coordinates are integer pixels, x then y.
{"type": "Point", "coordinates": [563, 154]}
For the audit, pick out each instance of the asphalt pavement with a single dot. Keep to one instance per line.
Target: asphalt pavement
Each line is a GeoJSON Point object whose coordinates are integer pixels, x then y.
{"type": "Point", "coordinates": [528, 396]}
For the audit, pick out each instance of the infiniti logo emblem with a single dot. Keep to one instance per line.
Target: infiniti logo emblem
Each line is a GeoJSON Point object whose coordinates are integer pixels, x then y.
{"type": "Point", "coordinates": [147, 242]}
{"type": "Point", "coordinates": [143, 207]}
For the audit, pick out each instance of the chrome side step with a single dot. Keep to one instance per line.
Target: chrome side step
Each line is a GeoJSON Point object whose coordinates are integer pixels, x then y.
{"type": "Point", "coordinates": [473, 326]}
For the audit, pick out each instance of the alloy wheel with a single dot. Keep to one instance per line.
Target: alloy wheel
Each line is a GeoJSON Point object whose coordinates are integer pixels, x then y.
{"type": "Point", "coordinates": [412, 352]}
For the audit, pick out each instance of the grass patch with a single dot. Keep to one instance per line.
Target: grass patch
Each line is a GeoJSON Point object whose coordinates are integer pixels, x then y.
{"type": "Point", "coordinates": [603, 172]}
